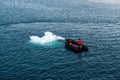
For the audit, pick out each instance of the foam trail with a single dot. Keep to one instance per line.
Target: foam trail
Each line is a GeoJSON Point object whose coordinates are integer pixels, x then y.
{"type": "Point", "coordinates": [48, 37]}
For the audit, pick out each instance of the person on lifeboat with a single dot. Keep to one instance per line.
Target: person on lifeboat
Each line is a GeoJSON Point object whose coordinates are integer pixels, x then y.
{"type": "Point", "coordinates": [80, 43]}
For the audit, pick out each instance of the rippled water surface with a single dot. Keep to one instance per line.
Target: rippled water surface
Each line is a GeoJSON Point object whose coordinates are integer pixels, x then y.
{"type": "Point", "coordinates": [96, 24]}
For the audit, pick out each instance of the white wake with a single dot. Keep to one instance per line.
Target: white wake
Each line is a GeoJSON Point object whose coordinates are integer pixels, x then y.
{"type": "Point", "coordinates": [48, 37]}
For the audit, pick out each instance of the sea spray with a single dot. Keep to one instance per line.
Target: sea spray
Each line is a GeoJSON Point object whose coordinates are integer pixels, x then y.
{"type": "Point", "coordinates": [47, 38]}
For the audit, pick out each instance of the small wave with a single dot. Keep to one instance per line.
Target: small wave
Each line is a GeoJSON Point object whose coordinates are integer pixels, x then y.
{"type": "Point", "coordinates": [47, 38]}
{"type": "Point", "coordinates": [61, 20]}
{"type": "Point", "coordinates": [116, 2]}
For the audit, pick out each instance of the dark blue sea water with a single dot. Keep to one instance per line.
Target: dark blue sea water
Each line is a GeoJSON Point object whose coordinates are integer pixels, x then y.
{"type": "Point", "coordinates": [96, 23]}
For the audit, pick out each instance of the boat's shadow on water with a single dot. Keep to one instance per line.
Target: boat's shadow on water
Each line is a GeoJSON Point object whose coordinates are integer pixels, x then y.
{"type": "Point", "coordinates": [79, 55]}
